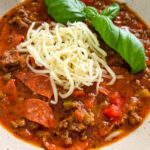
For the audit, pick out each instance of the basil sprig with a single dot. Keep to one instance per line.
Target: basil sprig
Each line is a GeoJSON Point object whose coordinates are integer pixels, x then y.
{"type": "Point", "coordinates": [111, 11]}
{"type": "Point", "coordinates": [125, 43]}
{"type": "Point", "coordinates": [66, 10]}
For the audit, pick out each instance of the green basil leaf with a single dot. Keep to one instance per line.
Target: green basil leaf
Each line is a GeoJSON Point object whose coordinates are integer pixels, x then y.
{"type": "Point", "coordinates": [66, 10]}
{"type": "Point", "coordinates": [90, 12]}
{"type": "Point", "coordinates": [125, 43]}
{"type": "Point", "coordinates": [111, 11]}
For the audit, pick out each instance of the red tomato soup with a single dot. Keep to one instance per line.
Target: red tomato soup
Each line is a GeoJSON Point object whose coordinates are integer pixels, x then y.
{"type": "Point", "coordinates": [87, 118]}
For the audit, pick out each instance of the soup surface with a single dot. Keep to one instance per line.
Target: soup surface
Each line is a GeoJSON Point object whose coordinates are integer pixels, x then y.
{"type": "Point", "coordinates": [84, 120]}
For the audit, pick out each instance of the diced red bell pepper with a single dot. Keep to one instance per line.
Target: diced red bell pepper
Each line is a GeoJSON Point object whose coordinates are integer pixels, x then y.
{"type": "Point", "coordinates": [79, 115]}
{"type": "Point", "coordinates": [113, 111]}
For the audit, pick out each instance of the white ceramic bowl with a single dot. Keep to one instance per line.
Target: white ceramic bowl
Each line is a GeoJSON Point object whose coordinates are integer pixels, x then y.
{"type": "Point", "coordinates": [138, 140]}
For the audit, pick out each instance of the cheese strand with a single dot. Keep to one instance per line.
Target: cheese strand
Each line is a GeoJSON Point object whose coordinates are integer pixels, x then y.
{"type": "Point", "coordinates": [71, 55]}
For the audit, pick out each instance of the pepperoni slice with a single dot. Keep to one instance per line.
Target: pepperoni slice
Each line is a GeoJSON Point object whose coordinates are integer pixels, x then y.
{"type": "Point", "coordinates": [37, 83]}
{"type": "Point", "coordinates": [38, 111]}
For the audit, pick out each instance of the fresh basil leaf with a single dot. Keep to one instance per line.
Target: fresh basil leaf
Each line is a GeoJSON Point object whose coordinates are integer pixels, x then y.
{"type": "Point", "coordinates": [90, 12]}
{"type": "Point", "coordinates": [111, 11]}
{"type": "Point", "coordinates": [66, 10]}
{"type": "Point", "coordinates": [123, 42]}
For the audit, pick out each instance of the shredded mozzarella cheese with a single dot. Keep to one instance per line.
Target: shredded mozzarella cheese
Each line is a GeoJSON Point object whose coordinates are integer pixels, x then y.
{"type": "Point", "coordinates": [70, 54]}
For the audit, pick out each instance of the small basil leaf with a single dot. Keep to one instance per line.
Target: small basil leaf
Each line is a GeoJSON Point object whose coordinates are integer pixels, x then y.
{"type": "Point", "coordinates": [111, 11]}
{"type": "Point", "coordinates": [125, 43]}
{"type": "Point", "coordinates": [66, 10]}
{"type": "Point", "coordinates": [90, 12]}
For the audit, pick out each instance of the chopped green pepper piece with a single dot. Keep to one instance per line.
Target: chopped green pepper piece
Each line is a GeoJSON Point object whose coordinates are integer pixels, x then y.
{"type": "Point", "coordinates": [144, 93]}
{"type": "Point", "coordinates": [67, 104]}
{"type": "Point", "coordinates": [7, 76]}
